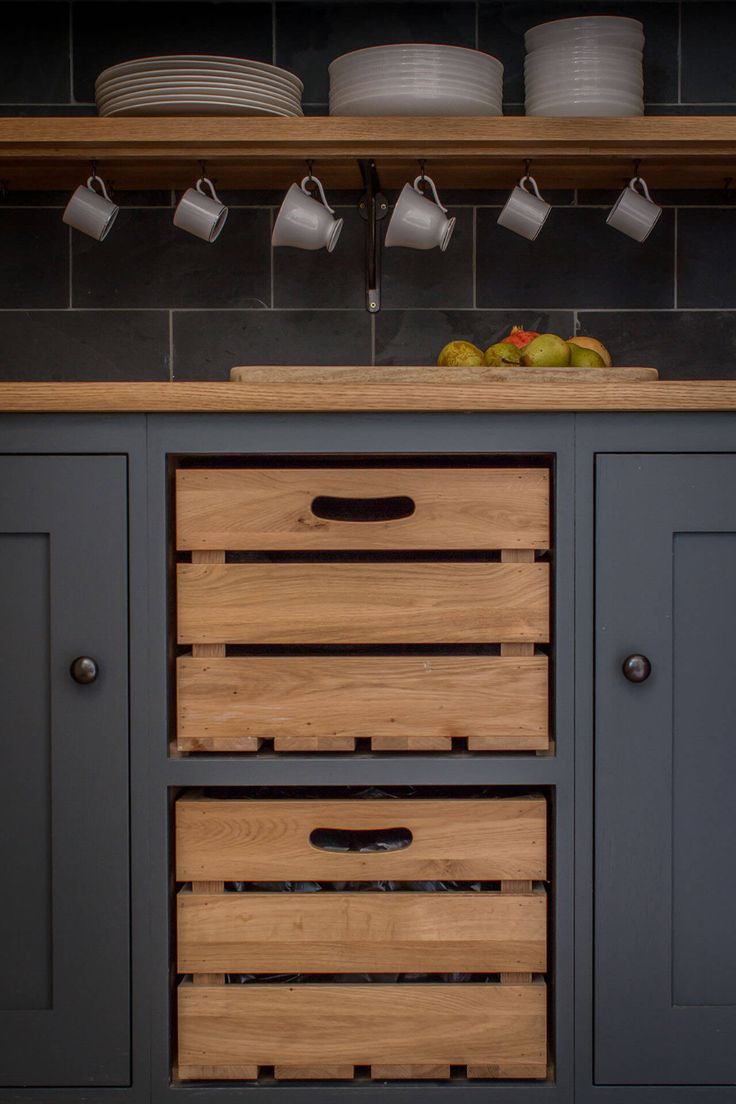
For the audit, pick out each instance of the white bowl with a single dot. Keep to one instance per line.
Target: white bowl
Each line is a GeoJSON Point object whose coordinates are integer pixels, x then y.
{"type": "Point", "coordinates": [607, 109]}
{"type": "Point", "coordinates": [573, 95]}
{"type": "Point", "coordinates": [560, 55]}
{"type": "Point", "coordinates": [572, 80]}
{"type": "Point", "coordinates": [412, 51]}
{"type": "Point", "coordinates": [403, 85]}
{"type": "Point", "coordinates": [384, 72]}
{"type": "Point", "coordinates": [598, 26]}
{"type": "Point", "coordinates": [383, 103]}
{"type": "Point", "coordinates": [185, 61]}
{"type": "Point", "coordinates": [397, 80]}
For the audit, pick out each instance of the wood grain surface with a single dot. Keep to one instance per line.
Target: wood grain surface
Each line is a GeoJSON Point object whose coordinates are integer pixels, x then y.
{"type": "Point", "coordinates": [318, 933]}
{"type": "Point", "coordinates": [243, 840]}
{"type": "Point", "coordinates": [402, 603]}
{"type": "Point", "coordinates": [499, 700]}
{"type": "Point", "coordinates": [502, 1027]}
{"type": "Point", "coordinates": [470, 508]}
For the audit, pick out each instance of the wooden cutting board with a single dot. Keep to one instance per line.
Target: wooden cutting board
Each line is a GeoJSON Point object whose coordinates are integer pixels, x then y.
{"type": "Point", "coordinates": [429, 375]}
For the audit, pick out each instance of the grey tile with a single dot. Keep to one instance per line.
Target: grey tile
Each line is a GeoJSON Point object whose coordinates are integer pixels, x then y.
{"type": "Point", "coordinates": [30, 111]}
{"type": "Point", "coordinates": [706, 246]}
{"type": "Point", "coordinates": [311, 34]}
{"type": "Point", "coordinates": [304, 278]}
{"type": "Point", "coordinates": [416, 336]}
{"type": "Point", "coordinates": [708, 34]}
{"type": "Point", "coordinates": [501, 28]}
{"type": "Point", "coordinates": [496, 197]}
{"type": "Point", "coordinates": [9, 197]}
{"type": "Point", "coordinates": [107, 33]}
{"type": "Point", "coordinates": [429, 278]}
{"type": "Point", "coordinates": [577, 261]}
{"type": "Point", "coordinates": [681, 344]}
{"type": "Point", "coordinates": [665, 197]}
{"type": "Point", "coordinates": [207, 346]}
{"type": "Point", "coordinates": [34, 53]}
{"type": "Point", "coordinates": [35, 268]}
{"type": "Point", "coordinates": [692, 109]}
{"type": "Point", "coordinates": [147, 262]}
{"type": "Point", "coordinates": [84, 345]}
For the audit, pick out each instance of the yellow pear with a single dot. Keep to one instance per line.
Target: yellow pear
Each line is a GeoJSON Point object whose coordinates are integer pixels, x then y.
{"type": "Point", "coordinates": [460, 354]}
{"type": "Point", "coordinates": [546, 351]}
{"type": "Point", "coordinates": [584, 358]}
{"type": "Point", "coordinates": [591, 343]}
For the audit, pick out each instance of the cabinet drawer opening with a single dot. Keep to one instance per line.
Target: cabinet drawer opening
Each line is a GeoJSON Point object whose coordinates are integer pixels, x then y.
{"type": "Point", "coordinates": [448, 931]}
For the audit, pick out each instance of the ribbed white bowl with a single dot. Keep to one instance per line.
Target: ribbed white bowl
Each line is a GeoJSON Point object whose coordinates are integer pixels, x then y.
{"type": "Point", "coordinates": [610, 28]}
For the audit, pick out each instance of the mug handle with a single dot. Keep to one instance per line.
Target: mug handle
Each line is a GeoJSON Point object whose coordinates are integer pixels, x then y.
{"type": "Point", "coordinates": [529, 180]}
{"type": "Point", "coordinates": [642, 189]}
{"type": "Point", "coordinates": [430, 181]}
{"type": "Point", "coordinates": [95, 179]}
{"type": "Point", "coordinates": [320, 189]}
{"type": "Point", "coordinates": [206, 180]}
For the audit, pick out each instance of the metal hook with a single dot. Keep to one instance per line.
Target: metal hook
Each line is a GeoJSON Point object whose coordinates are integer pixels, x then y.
{"type": "Point", "coordinates": [309, 170]}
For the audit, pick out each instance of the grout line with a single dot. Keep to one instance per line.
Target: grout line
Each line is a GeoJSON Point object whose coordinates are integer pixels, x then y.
{"type": "Point", "coordinates": [171, 345]}
{"type": "Point", "coordinates": [575, 323]}
{"type": "Point", "coordinates": [477, 24]}
{"type": "Point", "coordinates": [71, 54]}
{"type": "Point", "coordinates": [475, 257]}
{"type": "Point", "coordinates": [71, 303]}
{"type": "Point", "coordinates": [499, 309]}
{"type": "Point", "coordinates": [373, 340]}
{"type": "Point", "coordinates": [679, 51]}
{"type": "Point", "coordinates": [676, 235]}
{"type": "Point", "coordinates": [271, 256]}
{"type": "Point", "coordinates": [273, 32]}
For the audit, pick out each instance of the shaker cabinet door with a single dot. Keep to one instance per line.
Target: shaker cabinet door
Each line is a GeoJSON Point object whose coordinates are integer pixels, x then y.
{"type": "Point", "coordinates": [665, 770]}
{"type": "Point", "coordinates": [64, 927]}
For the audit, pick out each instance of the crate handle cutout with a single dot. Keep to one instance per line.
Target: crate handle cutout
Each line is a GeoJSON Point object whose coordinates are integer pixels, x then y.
{"type": "Point", "coordinates": [361, 839]}
{"type": "Point", "coordinates": [388, 508]}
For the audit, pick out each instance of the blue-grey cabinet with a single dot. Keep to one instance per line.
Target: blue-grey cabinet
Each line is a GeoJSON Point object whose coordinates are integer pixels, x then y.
{"type": "Point", "coordinates": [665, 771]}
{"type": "Point", "coordinates": [64, 836]}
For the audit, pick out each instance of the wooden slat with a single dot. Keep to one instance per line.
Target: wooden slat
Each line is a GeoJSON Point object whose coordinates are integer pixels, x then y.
{"type": "Point", "coordinates": [234, 1072]}
{"type": "Point", "coordinates": [255, 933]}
{"type": "Point", "coordinates": [390, 699]}
{"type": "Point", "coordinates": [501, 1026]}
{"type": "Point", "coordinates": [513, 976]}
{"type": "Point", "coordinates": [471, 508]}
{"type": "Point", "coordinates": [378, 394]}
{"type": "Point", "coordinates": [208, 891]}
{"type": "Point", "coordinates": [428, 1071]}
{"type": "Point", "coordinates": [300, 603]}
{"type": "Point", "coordinates": [243, 840]}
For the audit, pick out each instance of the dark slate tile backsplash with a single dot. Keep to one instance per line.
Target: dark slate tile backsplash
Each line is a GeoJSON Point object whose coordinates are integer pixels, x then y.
{"type": "Point", "coordinates": [152, 303]}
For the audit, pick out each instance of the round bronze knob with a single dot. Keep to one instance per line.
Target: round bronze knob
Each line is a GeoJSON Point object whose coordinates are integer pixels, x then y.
{"type": "Point", "coordinates": [637, 668]}
{"type": "Point", "coordinates": [84, 670]}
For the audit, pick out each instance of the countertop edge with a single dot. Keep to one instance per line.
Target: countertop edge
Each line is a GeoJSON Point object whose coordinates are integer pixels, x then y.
{"type": "Point", "coordinates": [226, 397]}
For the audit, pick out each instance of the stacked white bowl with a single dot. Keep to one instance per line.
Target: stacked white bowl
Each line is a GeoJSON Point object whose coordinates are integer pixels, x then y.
{"type": "Point", "coordinates": [590, 65]}
{"type": "Point", "coordinates": [416, 79]}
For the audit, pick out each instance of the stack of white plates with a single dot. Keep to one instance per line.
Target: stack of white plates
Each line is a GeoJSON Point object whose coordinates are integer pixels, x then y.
{"type": "Point", "coordinates": [591, 65]}
{"type": "Point", "coordinates": [416, 79]}
{"type": "Point", "coordinates": [188, 84]}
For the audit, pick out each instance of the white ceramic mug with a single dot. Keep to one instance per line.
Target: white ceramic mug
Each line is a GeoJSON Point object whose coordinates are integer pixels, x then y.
{"type": "Point", "coordinates": [418, 222]}
{"type": "Point", "coordinates": [90, 211]}
{"type": "Point", "coordinates": [304, 222]}
{"type": "Point", "coordinates": [635, 213]}
{"type": "Point", "coordinates": [201, 214]}
{"type": "Point", "coordinates": [525, 212]}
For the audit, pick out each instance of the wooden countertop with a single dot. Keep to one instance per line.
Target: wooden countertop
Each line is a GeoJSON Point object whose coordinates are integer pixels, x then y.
{"type": "Point", "coordinates": [203, 397]}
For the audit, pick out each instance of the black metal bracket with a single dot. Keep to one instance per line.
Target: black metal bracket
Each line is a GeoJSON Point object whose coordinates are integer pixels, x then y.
{"type": "Point", "coordinates": [372, 207]}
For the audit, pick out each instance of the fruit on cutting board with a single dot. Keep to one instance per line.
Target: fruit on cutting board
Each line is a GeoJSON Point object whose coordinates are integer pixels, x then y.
{"type": "Point", "coordinates": [584, 358]}
{"type": "Point", "coordinates": [593, 344]}
{"type": "Point", "coordinates": [503, 352]}
{"type": "Point", "coordinates": [546, 351]}
{"type": "Point", "coordinates": [527, 349]}
{"type": "Point", "coordinates": [460, 354]}
{"type": "Point", "coordinates": [520, 337]}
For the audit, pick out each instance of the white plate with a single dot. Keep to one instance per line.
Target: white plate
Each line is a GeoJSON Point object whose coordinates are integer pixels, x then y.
{"type": "Point", "coordinates": [196, 91]}
{"type": "Point", "coordinates": [574, 96]}
{"type": "Point", "coordinates": [590, 80]}
{"type": "Point", "coordinates": [402, 85]}
{"type": "Point", "coordinates": [199, 98]}
{"type": "Point", "coordinates": [186, 61]}
{"type": "Point", "coordinates": [414, 70]}
{"type": "Point", "coordinates": [184, 76]}
{"type": "Point", "coordinates": [198, 107]}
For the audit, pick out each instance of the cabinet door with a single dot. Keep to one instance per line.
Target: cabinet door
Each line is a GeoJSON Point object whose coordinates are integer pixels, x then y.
{"type": "Point", "coordinates": [665, 775]}
{"type": "Point", "coordinates": [64, 925]}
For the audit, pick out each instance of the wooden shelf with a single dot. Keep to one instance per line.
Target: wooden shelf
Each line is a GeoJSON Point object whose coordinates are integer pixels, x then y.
{"type": "Point", "coordinates": [49, 153]}
{"type": "Point", "coordinates": [675, 395]}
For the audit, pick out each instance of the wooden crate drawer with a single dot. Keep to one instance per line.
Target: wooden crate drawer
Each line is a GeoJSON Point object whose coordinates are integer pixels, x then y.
{"type": "Point", "coordinates": [230, 1031]}
{"type": "Point", "coordinates": [335, 932]}
{"type": "Point", "coordinates": [280, 840]}
{"type": "Point", "coordinates": [302, 703]}
{"type": "Point", "coordinates": [362, 508]}
{"type": "Point", "coordinates": [363, 603]}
